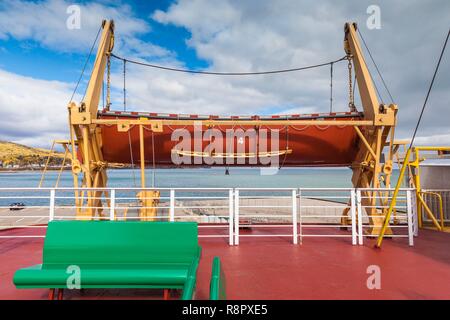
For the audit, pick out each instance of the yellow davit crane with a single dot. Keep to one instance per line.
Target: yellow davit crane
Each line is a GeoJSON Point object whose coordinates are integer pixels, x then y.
{"type": "Point", "coordinates": [375, 130]}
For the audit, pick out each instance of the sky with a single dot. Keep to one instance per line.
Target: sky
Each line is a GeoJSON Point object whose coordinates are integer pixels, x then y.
{"type": "Point", "coordinates": [41, 59]}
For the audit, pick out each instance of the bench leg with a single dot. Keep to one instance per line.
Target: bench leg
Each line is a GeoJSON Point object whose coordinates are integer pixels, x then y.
{"type": "Point", "coordinates": [166, 294]}
{"type": "Point", "coordinates": [51, 294]}
{"type": "Point", "coordinates": [60, 294]}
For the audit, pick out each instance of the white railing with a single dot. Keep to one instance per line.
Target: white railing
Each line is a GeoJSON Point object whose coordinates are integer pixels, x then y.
{"type": "Point", "coordinates": [322, 211]}
{"type": "Point", "coordinates": [254, 209]}
{"type": "Point", "coordinates": [403, 218]}
{"type": "Point", "coordinates": [228, 213]}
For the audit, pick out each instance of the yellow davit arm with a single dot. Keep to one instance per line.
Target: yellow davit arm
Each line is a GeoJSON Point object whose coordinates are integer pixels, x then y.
{"type": "Point", "coordinates": [94, 88]}
{"type": "Point", "coordinates": [365, 85]}
{"type": "Point", "coordinates": [381, 115]}
{"type": "Point", "coordinates": [84, 133]}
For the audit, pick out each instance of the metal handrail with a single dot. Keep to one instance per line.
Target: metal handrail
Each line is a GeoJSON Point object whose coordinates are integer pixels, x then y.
{"type": "Point", "coordinates": [441, 205]}
{"type": "Point", "coordinates": [230, 197]}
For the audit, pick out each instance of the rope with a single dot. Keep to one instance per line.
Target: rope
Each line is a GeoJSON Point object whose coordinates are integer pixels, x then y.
{"type": "Point", "coordinates": [96, 58]}
{"type": "Point", "coordinates": [145, 64]}
{"type": "Point", "coordinates": [331, 87]}
{"type": "Point", "coordinates": [270, 129]}
{"type": "Point", "coordinates": [171, 128]}
{"type": "Point", "coordinates": [376, 66]}
{"type": "Point", "coordinates": [429, 90]}
{"type": "Point", "coordinates": [370, 74]}
{"type": "Point", "coordinates": [124, 86]}
{"type": "Point", "coordinates": [322, 128]}
{"type": "Point", "coordinates": [408, 151]}
{"type": "Point", "coordinates": [297, 129]}
{"type": "Point", "coordinates": [108, 84]}
{"type": "Point", "coordinates": [85, 64]}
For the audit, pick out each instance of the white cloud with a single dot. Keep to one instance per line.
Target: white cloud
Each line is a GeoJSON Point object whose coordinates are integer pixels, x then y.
{"type": "Point", "coordinates": [33, 111]}
{"type": "Point", "coordinates": [433, 140]}
{"type": "Point", "coordinates": [211, 18]}
{"type": "Point", "coordinates": [251, 36]}
{"type": "Point", "coordinates": [255, 35]}
{"type": "Point", "coordinates": [45, 22]}
{"type": "Point", "coordinates": [157, 91]}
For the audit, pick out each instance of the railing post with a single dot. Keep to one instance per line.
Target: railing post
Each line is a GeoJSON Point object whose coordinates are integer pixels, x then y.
{"type": "Point", "coordinates": [112, 204]}
{"type": "Point", "coordinates": [172, 205]}
{"type": "Point", "coordinates": [236, 217]}
{"type": "Point", "coordinates": [409, 217]}
{"type": "Point", "coordinates": [294, 217]}
{"type": "Point", "coordinates": [360, 217]}
{"type": "Point", "coordinates": [300, 214]}
{"type": "Point", "coordinates": [230, 217]}
{"type": "Point", "coordinates": [353, 215]}
{"type": "Point", "coordinates": [415, 213]}
{"type": "Point", "coordinates": [51, 212]}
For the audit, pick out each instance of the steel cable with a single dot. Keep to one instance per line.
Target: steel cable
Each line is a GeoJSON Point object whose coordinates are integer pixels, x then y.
{"type": "Point", "coordinates": [226, 73]}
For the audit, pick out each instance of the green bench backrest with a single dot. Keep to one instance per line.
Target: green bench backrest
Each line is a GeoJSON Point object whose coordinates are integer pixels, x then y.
{"type": "Point", "coordinates": [217, 288]}
{"type": "Point", "coordinates": [120, 242]}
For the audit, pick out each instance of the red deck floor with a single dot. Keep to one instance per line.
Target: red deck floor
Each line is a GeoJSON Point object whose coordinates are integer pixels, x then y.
{"type": "Point", "coordinates": [273, 268]}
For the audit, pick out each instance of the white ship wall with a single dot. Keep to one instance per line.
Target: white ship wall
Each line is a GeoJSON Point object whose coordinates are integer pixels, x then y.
{"type": "Point", "coordinates": [437, 176]}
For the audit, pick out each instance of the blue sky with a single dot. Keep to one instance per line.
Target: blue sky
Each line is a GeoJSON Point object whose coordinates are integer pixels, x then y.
{"type": "Point", "coordinates": [41, 59]}
{"type": "Point", "coordinates": [20, 56]}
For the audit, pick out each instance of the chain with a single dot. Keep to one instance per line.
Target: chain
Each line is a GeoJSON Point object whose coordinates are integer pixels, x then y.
{"type": "Point", "coordinates": [331, 87]}
{"type": "Point", "coordinates": [108, 84]}
{"type": "Point", "coordinates": [124, 85]}
{"type": "Point", "coordinates": [351, 100]}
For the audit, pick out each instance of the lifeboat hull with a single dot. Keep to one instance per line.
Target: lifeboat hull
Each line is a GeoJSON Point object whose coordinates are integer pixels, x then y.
{"type": "Point", "coordinates": [234, 144]}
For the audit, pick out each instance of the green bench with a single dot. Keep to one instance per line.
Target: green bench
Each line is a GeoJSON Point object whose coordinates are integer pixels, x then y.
{"type": "Point", "coordinates": [117, 254]}
{"type": "Point", "coordinates": [217, 288]}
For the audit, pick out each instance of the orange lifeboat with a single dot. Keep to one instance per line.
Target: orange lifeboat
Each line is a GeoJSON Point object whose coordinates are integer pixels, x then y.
{"type": "Point", "coordinates": [241, 145]}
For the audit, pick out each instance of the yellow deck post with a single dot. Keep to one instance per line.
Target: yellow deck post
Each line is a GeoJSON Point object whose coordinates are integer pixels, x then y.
{"type": "Point", "coordinates": [142, 154]}
{"type": "Point", "coordinates": [394, 198]}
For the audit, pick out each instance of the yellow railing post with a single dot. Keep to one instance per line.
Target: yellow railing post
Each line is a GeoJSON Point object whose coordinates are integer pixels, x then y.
{"type": "Point", "coordinates": [50, 154]}
{"type": "Point", "coordinates": [394, 198]}
{"type": "Point", "coordinates": [430, 213]}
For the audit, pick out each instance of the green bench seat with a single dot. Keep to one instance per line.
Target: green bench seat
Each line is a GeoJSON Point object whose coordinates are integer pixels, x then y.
{"type": "Point", "coordinates": [217, 288]}
{"type": "Point", "coordinates": [117, 254]}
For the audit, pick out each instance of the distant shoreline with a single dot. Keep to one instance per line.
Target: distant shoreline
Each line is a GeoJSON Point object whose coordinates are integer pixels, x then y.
{"type": "Point", "coordinates": [10, 170]}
